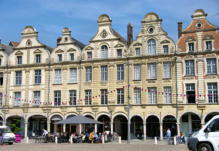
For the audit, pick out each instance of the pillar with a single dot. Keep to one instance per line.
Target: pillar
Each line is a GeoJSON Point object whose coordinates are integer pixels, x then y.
{"type": "Point", "coordinates": [48, 126]}
{"type": "Point", "coordinates": [95, 128]}
{"type": "Point", "coordinates": [190, 123]}
{"type": "Point", "coordinates": [178, 128]}
{"type": "Point", "coordinates": [161, 131]}
{"type": "Point", "coordinates": [25, 129]}
{"type": "Point", "coordinates": [144, 128]}
{"type": "Point", "coordinates": [55, 128]}
{"type": "Point", "coordinates": [64, 127]}
{"type": "Point", "coordinates": [111, 126]}
{"type": "Point", "coordinates": [79, 129]}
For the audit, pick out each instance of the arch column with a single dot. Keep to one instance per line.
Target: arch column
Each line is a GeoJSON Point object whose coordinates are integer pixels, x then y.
{"type": "Point", "coordinates": [25, 129]}
{"type": "Point", "coordinates": [64, 128]}
{"type": "Point", "coordinates": [161, 131]}
{"type": "Point", "coordinates": [111, 126]}
{"type": "Point", "coordinates": [144, 129]}
{"type": "Point", "coordinates": [178, 128]}
{"type": "Point", "coordinates": [190, 122]}
{"type": "Point", "coordinates": [48, 125]}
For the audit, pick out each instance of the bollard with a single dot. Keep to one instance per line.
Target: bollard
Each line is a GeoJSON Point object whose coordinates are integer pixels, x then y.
{"type": "Point", "coordinates": [71, 139]}
{"type": "Point", "coordinates": [27, 140]}
{"type": "Point", "coordinates": [103, 141]}
{"type": "Point", "coordinates": [119, 139]}
{"type": "Point", "coordinates": [56, 140]}
{"type": "Point", "coordinates": [174, 140]}
{"type": "Point", "coordinates": [155, 140]}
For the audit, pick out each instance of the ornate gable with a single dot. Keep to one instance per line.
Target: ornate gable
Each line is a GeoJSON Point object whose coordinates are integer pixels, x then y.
{"type": "Point", "coordinates": [89, 48]}
{"type": "Point", "coordinates": [208, 37]}
{"type": "Point", "coordinates": [18, 53]}
{"type": "Point", "coordinates": [37, 51]}
{"type": "Point", "coordinates": [71, 50]}
{"type": "Point", "coordinates": [137, 44]}
{"type": "Point", "coordinates": [59, 51]}
{"type": "Point", "coordinates": [118, 45]}
{"type": "Point", "coordinates": [164, 41]}
{"type": "Point", "coordinates": [190, 38]}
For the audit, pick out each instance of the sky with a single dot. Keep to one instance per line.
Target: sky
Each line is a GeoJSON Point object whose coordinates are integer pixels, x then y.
{"type": "Point", "coordinates": [49, 17]}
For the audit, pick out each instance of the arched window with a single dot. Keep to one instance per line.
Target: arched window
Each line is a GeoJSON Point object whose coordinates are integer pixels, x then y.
{"type": "Point", "coordinates": [104, 51]}
{"type": "Point", "coordinates": [151, 47]}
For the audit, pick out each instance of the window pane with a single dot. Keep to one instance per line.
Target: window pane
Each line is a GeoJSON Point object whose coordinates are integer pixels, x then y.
{"type": "Point", "coordinates": [152, 95]}
{"type": "Point", "coordinates": [104, 73]}
{"type": "Point", "coordinates": [88, 98]}
{"type": "Point", "coordinates": [38, 58]}
{"type": "Point", "coordinates": [137, 95]}
{"type": "Point", "coordinates": [137, 72]}
{"type": "Point", "coordinates": [211, 66]}
{"type": "Point", "coordinates": [167, 69]}
{"type": "Point", "coordinates": [72, 97]}
{"type": "Point", "coordinates": [58, 76]}
{"type": "Point", "coordinates": [37, 76]}
{"type": "Point", "coordinates": [104, 51]}
{"type": "Point", "coordinates": [36, 98]}
{"type": "Point", "coordinates": [88, 74]}
{"type": "Point", "coordinates": [57, 98]}
{"type": "Point", "coordinates": [190, 70]}
{"type": "Point", "coordinates": [167, 95]}
{"type": "Point", "coordinates": [104, 98]}
{"type": "Point", "coordinates": [138, 51]}
{"type": "Point", "coordinates": [73, 75]}
{"type": "Point", "coordinates": [212, 93]}
{"type": "Point", "coordinates": [17, 98]}
{"type": "Point", "coordinates": [18, 77]}
{"type": "Point", "coordinates": [151, 47]}
{"type": "Point", "coordinates": [165, 49]}
{"type": "Point", "coordinates": [152, 72]}
{"type": "Point", "coordinates": [120, 96]}
{"type": "Point", "coordinates": [120, 72]}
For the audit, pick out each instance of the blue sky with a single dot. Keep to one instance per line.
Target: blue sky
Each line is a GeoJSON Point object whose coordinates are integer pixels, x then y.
{"type": "Point", "coordinates": [50, 16]}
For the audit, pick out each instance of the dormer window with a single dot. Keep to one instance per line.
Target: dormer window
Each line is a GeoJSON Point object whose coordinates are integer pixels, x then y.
{"type": "Point", "coordinates": [119, 52]}
{"type": "Point", "coordinates": [191, 46]}
{"type": "Point", "coordinates": [89, 55]}
{"type": "Point", "coordinates": [66, 39]}
{"type": "Point", "coordinates": [104, 51]}
{"type": "Point", "coordinates": [60, 57]}
{"type": "Point", "coordinates": [165, 49]}
{"type": "Point", "coordinates": [208, 45]}
{"type": "Point", "coordinates": [151, 47]}
{"type": "Point", "coordinates": [28, 43]}
{"type": "Point", "coordinates": [38, 59]}
{"type": "Point", "coordinates": [19, 59]}
{"type": "Point", "coordinates": [72, 56]}
{"type": "Point", "coordinates": [137, 51]}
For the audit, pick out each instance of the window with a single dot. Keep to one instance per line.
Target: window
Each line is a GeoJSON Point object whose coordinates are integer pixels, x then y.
{"type": "Point", "coordinates": [104, 51]}
{"type": "Point", "coordinates": [167, 70]}
{"type": "Point", "coordinates": [58, 76]}
{"type": "Point", "coordinates": [190, 93]}
{"type": "Point", "coordinates": [38, 58]}
{"type": "Point", "coordinates": [0, 99]}
{"type": "Point", "coordinates": [88, 98]}
{"type": "Point", "coordinates": [19, 59]}
{"type": "Point", "coordinates": [104, 98]}
{"type": "Point", "coordinates": [1, 78]}
{"type": "Point", "coordinates": [191, 47]}
{"type": "Point", "coordinates": [89, 55]}
{"type": "Point", "coordinates": [152, 95]}
{"type": "Point", "coordinates": [60, 57]}
{"type": "Point", "coordinates": [212, 93]}
{"type": "Point", "coordinates": [18, 78]}
{"type": "Point", "coordinates": [208, 45]}
{"type": "Point", "coordinates": [104, 73]}
{"type": "Point", "coordinates": [73, 75]}
{"type": "Point", "coordinates": [120, 96]}
{"type": "Point", "coordinates": [17, 98]}
{"type": "Point", "coordinates": [57, 98]}
{"type": "Point", "coordinates": [152, 71]}
{"type": "Point", "coordinates": [36, 97]}
{"type": "Point", "coordinates": [214, 126]}
{"type": "Point", "coordinates": [72, 56]}
{"type": "Point", "coordinates": [190, 70]}
{"type": "Point", "coordinates": [137, 95]}
{"type": "Point", "coordinates": [88, 74]}
{"type": "Point", "coordinates": [165, 49]}
{"type": "Point", "coordinates": [37, 76]}
{"type": "Point", "coordinates": [137, 72]}
{"type": "Point", "coordinates": [211, 66]}
{"type": "Point", "coordinates": [120, 72]}
{"type": "Point", "coordinates": [119, 52]}
{"type": "Point", "coordinates": [72, 97]}
{"type": "Point", "coordinates": [137, 51]}
{"type": "Point", "coordinates": [167, 95]}
{"type": "Point", "coordinates": [151, 47]}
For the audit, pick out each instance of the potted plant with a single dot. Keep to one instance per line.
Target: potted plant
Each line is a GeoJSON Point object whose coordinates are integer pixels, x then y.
{"type": "Point", "coordinates": [15, 128]}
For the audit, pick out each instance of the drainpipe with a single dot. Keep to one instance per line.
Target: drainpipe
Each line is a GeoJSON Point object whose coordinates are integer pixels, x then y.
{"type": "Point", "coordinates": [128, 103]}
{"type": "Point", "coordinates": [79, 84]}
{"type": "Point", "coordinates": [177, 122]}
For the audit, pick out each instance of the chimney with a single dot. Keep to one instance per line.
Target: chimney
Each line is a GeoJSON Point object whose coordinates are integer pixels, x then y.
{"type": "Point", "coordinates": [129, 34]}
{"type": "Point", "coordinates": [58, 40]}
{"type": "Point", "coordinates": [179, 29]}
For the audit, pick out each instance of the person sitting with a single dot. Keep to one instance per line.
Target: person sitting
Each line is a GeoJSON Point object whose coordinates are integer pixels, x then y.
{"type": "Point", "coordinates": [182, 138]}
{"type": "Point", "coordinates": [45, 133]}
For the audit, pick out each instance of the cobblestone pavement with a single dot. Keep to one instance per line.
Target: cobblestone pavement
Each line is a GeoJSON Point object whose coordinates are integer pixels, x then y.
{"type": "Point", "coordinates": [134, 146]}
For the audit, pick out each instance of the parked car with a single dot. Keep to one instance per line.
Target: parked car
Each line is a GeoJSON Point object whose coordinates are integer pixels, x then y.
{"type": "Point", "coordinates": [207, 138]}
{"type": "Point", "coordinates": [7, 135]}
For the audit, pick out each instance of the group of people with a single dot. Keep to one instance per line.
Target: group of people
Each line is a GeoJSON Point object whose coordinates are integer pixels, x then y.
{"type": "Point", "coordinates": [180, 139]}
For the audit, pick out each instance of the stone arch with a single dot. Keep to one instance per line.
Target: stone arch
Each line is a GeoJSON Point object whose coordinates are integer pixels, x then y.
{"type": "Point", "coordinates": [103, 113]}
{"type": "Point", "coordinates": [19, 121]}
{"type": "Point", "coordinates": [89, 114]}
{"type": "Point", "coordinates": [152, 126]}
{"type": "Point", "coordinates": [104, 118]}
{"type": "Point", "coordinates": [120, 125]}
{"type": "Point", "coordinates": [168, 114]}
{"type": "Point", "coordinates": [136, 127]}
{"type": "Point", "coordinates": [152, 114]}
{"type": "Point", "coordinates": [134, 115]}
{"type": "Point", "coordinates": [70, 114]}
{"type": "Point", "coordinates": [209, 115]}
{"type": "Point", "coordinates": [169, 122]}
{"type": "Point", "coordinates": [56, 113]}
{"type": "Point", "coordinates": [119, 113]}
{"type": "Point", "coordinates": [188, 112]}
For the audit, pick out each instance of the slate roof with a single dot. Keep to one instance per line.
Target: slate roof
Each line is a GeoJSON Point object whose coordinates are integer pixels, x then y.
{"type": "Point", "coordinates": [78, 43]}
{"type": "Point", "coordinates": [7, 49]}
{"type": "Point", "coordinates": [79, 120]}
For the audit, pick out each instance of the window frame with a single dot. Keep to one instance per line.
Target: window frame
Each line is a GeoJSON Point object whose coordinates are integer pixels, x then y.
{"type": "Point", "coordinates": [37, 76]}
{"type": "Point", "coordinates": [72, 97]}
{"type": "Point", "coordinates": [57, 97]}
{"type": "Point", "coordinates": [120, 72]}
{"type": "Point", "coordinates": [104, 73]}
{"type": "Point", "coordinates": [88, 74]}
{"type": "Point", "coordinates": [18, 78]}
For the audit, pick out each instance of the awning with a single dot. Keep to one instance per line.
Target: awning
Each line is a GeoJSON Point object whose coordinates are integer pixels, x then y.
{"type": "Point", "coordinates": [78, 120]}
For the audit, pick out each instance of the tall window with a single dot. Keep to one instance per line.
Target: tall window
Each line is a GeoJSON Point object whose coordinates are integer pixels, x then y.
{"type": "Point", "coordinates": [120, 96]}
{"type": "Point", "coordinates": [88, 74]}
{"type": "Point", "coordinates": [73, 75]}
{"type": "Point", "coordinates": [37, 76]}
{"type": "Point", "coordinates": [211, 66]}
{"type": "Point", "coordinates": [152, 71]}
{"type": "Point", "coordinates": [190, 68]}
{"type": "Point", "coordinates": [88, 97]}
{"type": "Point", "coordinates": [36, 98]}
{"type": "Point", "coordinates": [18, 77]}
{"type": "Point", "coordinates": [208, 45]}
{"type": "Point", "coordinates": [165, 49]}
{"type": "Point", "coordinates": [0, 99]}
{"type": "Point", "coordinates": [1, 78]}
{"type": "Point", "coordinates": [57, 98]}
{"type": "Point", "coordinates": [104, 51]}
{"type": "Point", "coordinates": [152, 95]}
{"type": "Point", "coordinates": [212, 93]}
{"type": "Point", "coordinates": [72, 97]}
{"type": "Point", "coordinates": [137, 51]}
{"type": "Point", "coordinates": [137, 95]}
{"type": "Point", "coordinates": [151, 47]}
{"type": "Point", "coordinates": [58, 76]}
{"type": "Point", "coordinates": [89, 55]}
{"type": "Point", "coordinates": [120, 72]}
{"type": "Point", "coordinates": [60, 57]}
{"type": "Point", "coordinates": [104, 73]}
{"type": "Point", "coordinates": [72, 56]}
{"type": "Point", "coordinates": [167, 70]}
{"type": "Point", "coordinates": [19, 59]}
{"type": "Point", "coordinates": [190, 93]}
{"type": "Point", "coordinates": [38, 58]}
{"type": "Point", "coordinates": [137, 72]}
{"type": "Point", "coordinates": [104, 98]}
{"type": "Point", "coordinates": [17, 98]}
{"type": "Point", "coordinates": [191, 46]}
{"type": "Point", "coordinates": [167, 95]}
{"type": "Point", "coordinates": [119, 52]}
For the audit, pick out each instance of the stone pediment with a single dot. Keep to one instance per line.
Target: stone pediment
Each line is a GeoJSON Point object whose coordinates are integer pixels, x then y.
{"type": "Point", "coordinates": [71, 50]}
{"type": "Point", "coordinates": [37, 51]}
{"type": "Point", "coordinates": [190, 38]}
{"type": "Point", "coordinates": [118, 45]}
{"type": "Point", "coordinates": [208, 37]}
{"type": "Point", "coordinates": [59, 51]}
{"type": "Point", "coordinates": [137, 44]}
{"type": "Point", "coordinates": [165, 41]}
{"type": "Point", "coordinates": [19, 53]}
{"type": "Point", "coordinates": [89, 48]}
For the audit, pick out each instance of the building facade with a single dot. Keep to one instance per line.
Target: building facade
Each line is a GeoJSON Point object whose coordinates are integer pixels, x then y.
{"type": "Point", "coordinates": [161, 85]}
